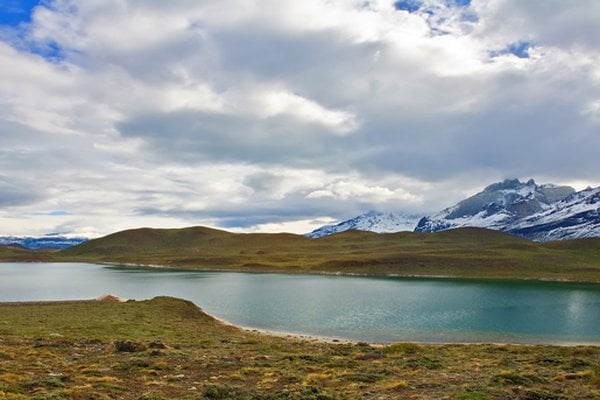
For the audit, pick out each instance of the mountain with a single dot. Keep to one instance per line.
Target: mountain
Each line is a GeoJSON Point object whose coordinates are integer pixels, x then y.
{"type": "Point", "coordinates": [372, 221]}
{"type": "Point", "coordinates": [47, 242]}
{"type": "Point", "coordinates": [536, 212]}
{"type": "Point", "coordinates": [576, 216]}
{"type": "Point", "coordinates": [501, 206]}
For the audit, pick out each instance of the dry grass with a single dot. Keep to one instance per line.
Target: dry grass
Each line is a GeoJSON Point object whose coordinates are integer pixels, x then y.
{"type": "Point", "coordinates": [76, 350]}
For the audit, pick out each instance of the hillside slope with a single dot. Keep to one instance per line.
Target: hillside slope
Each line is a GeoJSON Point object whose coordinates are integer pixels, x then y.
{"type": "Point", "coordinates": [17, 253]}
{"type": "Point", "coordinates": [465, 252]}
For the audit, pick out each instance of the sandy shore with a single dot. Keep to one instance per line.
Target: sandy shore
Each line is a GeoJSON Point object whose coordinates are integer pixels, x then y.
{"type": "Point", "coordinates": [288, 335]}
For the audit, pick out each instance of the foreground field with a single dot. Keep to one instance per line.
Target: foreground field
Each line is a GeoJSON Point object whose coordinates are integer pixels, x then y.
{"type": "Point", "coordinates": [168, 349]}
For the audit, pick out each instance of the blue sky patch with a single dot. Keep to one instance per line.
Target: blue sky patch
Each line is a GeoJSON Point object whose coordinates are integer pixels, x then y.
{"type": "Point", "coordinates": [408, 5]}
{"type": "Point", "coordinates": [518, 49]}
{"type": "Point", "coordinates": [15, 12]}
{"type": "Point", "coordinates": [58, 213]}
{"type": "Point", "coordinates": [458, 3]}
{"type": "Point", "coordinates": [50, 51]}
{"type": "Point", "coordinates": [14, 17]}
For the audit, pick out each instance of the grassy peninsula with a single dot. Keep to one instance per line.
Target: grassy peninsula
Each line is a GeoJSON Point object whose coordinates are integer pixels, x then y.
{"type": "Point", "coordinates": [169, 349]}
{"type": "Point", "coordinates": [465, 252]}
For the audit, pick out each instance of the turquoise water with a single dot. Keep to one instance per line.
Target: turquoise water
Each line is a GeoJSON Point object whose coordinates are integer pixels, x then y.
{"type": "Point", "coordinates": [359, 308]}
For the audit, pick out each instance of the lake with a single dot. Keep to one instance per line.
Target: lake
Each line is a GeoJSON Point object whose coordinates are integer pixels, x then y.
{"type": "Point", "coordinates": [357, 308]}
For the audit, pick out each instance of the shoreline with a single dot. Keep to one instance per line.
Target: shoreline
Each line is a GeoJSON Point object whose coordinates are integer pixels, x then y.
{"type": "Point", "coordinates": [292, 271]}
{"type": "Point", "coordinates": [329, 273]}
{"type": "Point", "coordinates": [308, 338]}
{"type": "Point", "coordinates": [289, 335]}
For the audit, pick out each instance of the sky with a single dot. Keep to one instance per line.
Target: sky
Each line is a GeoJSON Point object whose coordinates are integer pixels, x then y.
{"type": "Point", "coordinates": [281, 115]}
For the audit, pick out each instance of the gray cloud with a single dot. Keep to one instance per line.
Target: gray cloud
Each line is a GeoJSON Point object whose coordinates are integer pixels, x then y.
{"type": "Point", "coordinates": [241, 115]}
{"type": "Point", "coordinates": [552, 22]}
{"type": "Point", "coordinates": [14, 192]}
{"type": "Point", "coordinates": [203, 137]}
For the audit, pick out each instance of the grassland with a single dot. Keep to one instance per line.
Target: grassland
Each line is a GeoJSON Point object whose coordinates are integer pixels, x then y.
{"type": "Point", "coordinates": [467, 252]}
{"type": "Point", "coordinates": [168, 349]}
{"type": "Point", "coordinates": [16, 253]}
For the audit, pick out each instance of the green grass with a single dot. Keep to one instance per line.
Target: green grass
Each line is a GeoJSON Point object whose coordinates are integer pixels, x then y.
{"type": "Point", "coordinates": [69, 350]}
{"type": "Point", "coordinates": [465, 252]}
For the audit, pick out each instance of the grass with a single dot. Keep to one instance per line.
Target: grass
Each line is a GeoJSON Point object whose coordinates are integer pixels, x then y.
{"type": "Point", "coordinates": [17, 253]}
{"type": "Point", "coordinates": [74, 350]}
{"type": "Point", "coordinates": [465, 252]}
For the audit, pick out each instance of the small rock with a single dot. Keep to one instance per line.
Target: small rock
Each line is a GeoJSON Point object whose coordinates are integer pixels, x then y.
{"type": "Point", "coordinates": [110, 298]}
{"type": "Point", "coordinates": [127, 346]}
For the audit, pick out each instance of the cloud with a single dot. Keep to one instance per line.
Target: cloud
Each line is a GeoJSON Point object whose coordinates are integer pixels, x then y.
{"type": "Point", "coordinates": [14, 193]}
{"type": "Point", "coordinates": [554, 22]}
{"type": "Point", "coordinates": [343, 190]}
{"type": "Point", "coordinates": [245, 115]}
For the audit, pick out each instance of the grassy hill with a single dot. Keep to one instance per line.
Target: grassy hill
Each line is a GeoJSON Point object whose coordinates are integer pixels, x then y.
{"type": "Point", "coordinates": [464, 252]}
{"type": "Point", "coordinates": [17, 253]}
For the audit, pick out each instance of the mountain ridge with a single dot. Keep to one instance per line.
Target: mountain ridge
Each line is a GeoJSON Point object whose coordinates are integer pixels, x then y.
{"type": "Point", "coordinates": [37, 243]}
{"type": "Point", "coordinates": [541, 213]}
{"type": "Point", "coordinates": [499, 206]}
{"type": "Point", "coordinates": [372, 221]}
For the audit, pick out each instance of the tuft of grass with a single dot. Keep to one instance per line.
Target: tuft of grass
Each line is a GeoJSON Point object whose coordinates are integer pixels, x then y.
{"type": "Point", "coordinates": [511, 378]}
{"type": "Point", "coordinates": [541, 395]}
{"type": "Point", "coordinates": [424, 362]}
{"type": "Point", "coordinates": [47, 382]}
{"type": "Point", "coordinates": [472, 395]}
{"type": "Point", "coordinates": [219, 392]}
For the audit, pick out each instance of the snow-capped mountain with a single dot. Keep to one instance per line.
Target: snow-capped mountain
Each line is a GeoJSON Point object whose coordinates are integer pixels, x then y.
{"type": "Point", "coordinates": [536, 212]}
{"type": "Point", "coordinates": [499, 206]}
{"type": "Point", "coordinates": [48, 242]}
{"type": "Point", "coordinates": [372, 221]}
{"type": "Point", "coordinates": [577, 216]}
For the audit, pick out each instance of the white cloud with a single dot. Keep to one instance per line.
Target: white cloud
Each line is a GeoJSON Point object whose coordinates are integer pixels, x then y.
{"type": "Point", "coordinates": [345, 190]}
{"type": "Point", "coordinates": [281, 103]}
{"type": "Point", "coordinates": [276, 114]}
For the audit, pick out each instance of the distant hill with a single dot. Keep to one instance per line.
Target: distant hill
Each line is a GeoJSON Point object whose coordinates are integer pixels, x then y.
{"type": "Point", "coordinates": [46, 242]}
{"type": "Point", "coordinates": [465, 252]}
{"type": "Point", "coordinates": [19, 253]}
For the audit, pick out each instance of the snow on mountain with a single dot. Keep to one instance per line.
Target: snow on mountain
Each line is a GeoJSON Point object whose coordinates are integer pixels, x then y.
{"type": "Point", "coordinates": [499, 206]}
{"type": "Point", "coordinates": [47, 242]}
{"type": "Point", "coordinates": [372, 221]}
{"type": "Point", "coordinates": [577, 216]}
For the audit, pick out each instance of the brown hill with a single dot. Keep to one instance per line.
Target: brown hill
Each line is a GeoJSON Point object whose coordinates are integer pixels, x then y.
{"type": "Point", "coordinates": [464, 252]}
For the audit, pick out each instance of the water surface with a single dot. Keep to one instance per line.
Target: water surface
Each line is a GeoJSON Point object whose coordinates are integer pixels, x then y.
{"type": "Point", "coordinates": [359, 308]}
